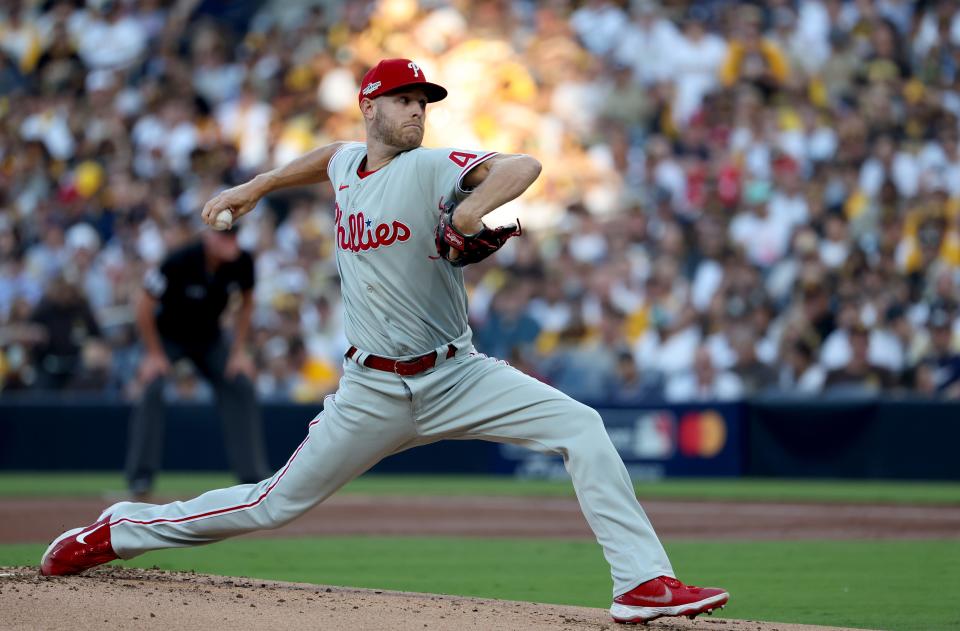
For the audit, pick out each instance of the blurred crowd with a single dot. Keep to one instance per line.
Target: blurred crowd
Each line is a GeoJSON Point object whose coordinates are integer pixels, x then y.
{"type": "Point", "coordinates": [737, 198]}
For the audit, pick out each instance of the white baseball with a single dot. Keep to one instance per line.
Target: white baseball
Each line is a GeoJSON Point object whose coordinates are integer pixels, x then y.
{"type": "Point", "coordinates": [224, 220]}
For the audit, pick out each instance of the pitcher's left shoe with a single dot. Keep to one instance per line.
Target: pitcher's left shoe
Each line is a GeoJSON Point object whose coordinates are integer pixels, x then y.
{"type": "Point", "coordinates": [80, 549]}
{"type": "Point", "coordinates": [666, 596]}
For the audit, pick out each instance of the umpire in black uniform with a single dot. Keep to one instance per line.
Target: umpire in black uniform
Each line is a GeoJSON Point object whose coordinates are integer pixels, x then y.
{"type": "Point", "coordinates": [179, 316]}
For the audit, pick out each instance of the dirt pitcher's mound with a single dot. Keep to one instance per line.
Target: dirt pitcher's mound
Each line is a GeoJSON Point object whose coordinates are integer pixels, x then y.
{"type": "Point", "coordinates": [119, 598]}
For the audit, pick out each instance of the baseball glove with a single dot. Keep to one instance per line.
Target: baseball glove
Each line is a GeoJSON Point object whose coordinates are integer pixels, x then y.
{"type": "Point", "coordinates": [463, 249]}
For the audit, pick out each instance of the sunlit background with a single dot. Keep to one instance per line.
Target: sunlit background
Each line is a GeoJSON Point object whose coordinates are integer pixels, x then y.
{"type": "Point", "coordinates": [737, 198]}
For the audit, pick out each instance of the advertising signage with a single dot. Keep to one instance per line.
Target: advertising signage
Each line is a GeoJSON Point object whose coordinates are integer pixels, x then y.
{"type": "Point", "coordinates": [654, 442]}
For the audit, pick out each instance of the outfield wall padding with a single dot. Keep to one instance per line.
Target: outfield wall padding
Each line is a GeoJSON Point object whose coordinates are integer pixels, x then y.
{"type": "Point", "coordinates": [768, 437]}
{"type": "Point", "coordinates": [865, 438]}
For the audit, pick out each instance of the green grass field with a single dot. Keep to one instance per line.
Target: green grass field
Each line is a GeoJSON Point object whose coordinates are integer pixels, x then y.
{"type": "Point", "coordinates": [880, 585]}
{"type": "Point", "coordinates": [869, 584]}
{"type": "Point", "coordinates": [32, 484]}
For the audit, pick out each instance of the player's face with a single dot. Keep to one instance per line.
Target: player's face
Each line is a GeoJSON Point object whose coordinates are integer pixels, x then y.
{"type": "Point", "coordinates": [222, 247]}
{"type": "Point", "coordinates": [399, 119]}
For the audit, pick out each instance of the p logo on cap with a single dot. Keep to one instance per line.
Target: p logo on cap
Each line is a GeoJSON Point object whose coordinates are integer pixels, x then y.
{"type": "Point", "coordinates": [393, 74]}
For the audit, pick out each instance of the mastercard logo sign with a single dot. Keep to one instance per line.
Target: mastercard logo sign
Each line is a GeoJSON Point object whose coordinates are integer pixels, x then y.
{"type": "Point", "coordinates": [702, 434]}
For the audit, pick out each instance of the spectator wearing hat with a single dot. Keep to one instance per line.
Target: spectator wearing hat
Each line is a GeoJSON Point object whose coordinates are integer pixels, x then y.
{"type": "Point", "coordinates": [923, 379]}
{"type": "Point", "coordinates": [942, 357]}
{"type": "Point", "coordinates": [631, 386]}
{"type": "Point", "coordinates": [598, 23]}
{"type": "Point", "coordinates": [885, 62]}
{"type": "Point", "coordinates": [183, 385]}
{"type": "Point", "coordinates": [755, 375]}
{"type": "Point", "coordinates": [94, 374]}
{"type": "Point", "coordinates": [764, 237]}
{"type": "Point", "coordinates": [278, 380]}
{"type": "Point", "coordinates": [754, 59]}
{"type": "Point", "coordinates": [509, 323]}
{"type": "Point", "coordinates": [645, 43]}
{"type": "Point", "coordinates": [704, 382]}
{"type": "Point", "coordinates": [860, 375]}
{"type": "Point", "coordinates": [801, 373]}
{"type": "Point", "coordinates": [112, 37]}
{"type": "Point", "coordinates": [66, 323]}
{"type": "Point", "coordinates": [82, 247]}
{"type": "Point", "coordinates": [697, 55]}
{"type": "Point", "coordinates": [836, 350]}
{"type": "Point", "coordinates": [178, 316]}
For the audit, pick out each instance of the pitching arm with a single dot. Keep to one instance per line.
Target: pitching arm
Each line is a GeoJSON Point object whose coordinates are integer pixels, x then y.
{"type": "Point", "coordinates": [310, 168]}
{"type": "Point", "coordinates": [495, 182]}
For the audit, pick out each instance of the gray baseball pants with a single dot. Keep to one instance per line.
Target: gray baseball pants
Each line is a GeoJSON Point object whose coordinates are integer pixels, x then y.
{"type": "Point", "coordinates": [375, 414]}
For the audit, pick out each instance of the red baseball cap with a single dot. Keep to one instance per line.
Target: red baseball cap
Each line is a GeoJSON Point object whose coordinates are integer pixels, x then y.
{"type": "Point", "coordinates": [393, 74]}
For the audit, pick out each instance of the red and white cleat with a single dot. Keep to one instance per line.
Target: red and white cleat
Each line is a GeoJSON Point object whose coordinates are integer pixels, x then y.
{"type": "Point", "coordinates": [79, 549]}
{"type": "Point", "coordinates": [665, 596]}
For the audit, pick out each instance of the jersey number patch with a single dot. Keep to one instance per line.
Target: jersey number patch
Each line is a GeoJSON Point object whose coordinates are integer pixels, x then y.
{"type": "Point", "coordinates": [461, 158]}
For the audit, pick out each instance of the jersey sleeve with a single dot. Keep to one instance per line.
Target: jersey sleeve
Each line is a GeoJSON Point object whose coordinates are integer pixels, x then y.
{"type": "Point", "coordinates": [157, 279]}
{"type": "Point", "coordinates": [337, 165]}
{"type": "Point", "coordinates": [447, 167]}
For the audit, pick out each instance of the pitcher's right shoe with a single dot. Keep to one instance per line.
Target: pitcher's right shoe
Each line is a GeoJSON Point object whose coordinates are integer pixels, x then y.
{"type": "Point", "coordinates": [80, 549]}
{"type": "Point", "coordinates": [666, 596]}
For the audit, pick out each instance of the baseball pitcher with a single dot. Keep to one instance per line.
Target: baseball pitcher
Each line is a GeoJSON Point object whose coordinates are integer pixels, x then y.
{"type": "Point", "coordinates": [408, 218]}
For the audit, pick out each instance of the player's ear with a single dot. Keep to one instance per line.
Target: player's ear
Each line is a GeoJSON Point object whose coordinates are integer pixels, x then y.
{"type": "Point", "coordinates": [367, 108]}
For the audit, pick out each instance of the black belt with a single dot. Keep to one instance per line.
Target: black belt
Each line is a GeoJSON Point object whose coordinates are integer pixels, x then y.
{"type": "Point", "coordinates": [405, 368]}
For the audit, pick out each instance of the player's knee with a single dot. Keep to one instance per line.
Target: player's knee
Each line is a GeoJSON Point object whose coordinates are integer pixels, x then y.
{"type": "Point", "coordinates": [589, 420]}
{"type": "Point", "coordinates": [591, 434]}
{"type": "Point", "coordinates": [580, 420]}
{"type": "Point", "coordinates": [278, 513]}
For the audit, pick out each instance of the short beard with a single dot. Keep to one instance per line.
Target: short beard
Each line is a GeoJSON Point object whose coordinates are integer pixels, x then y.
{"type": "Point", "coordinates": [392, 135]}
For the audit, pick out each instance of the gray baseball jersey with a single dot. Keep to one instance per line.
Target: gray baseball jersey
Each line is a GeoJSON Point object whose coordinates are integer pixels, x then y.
{"type": "Point", "coordinates": [399, 298]}
{"type": "Point", "coordinates": [401, 301]}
